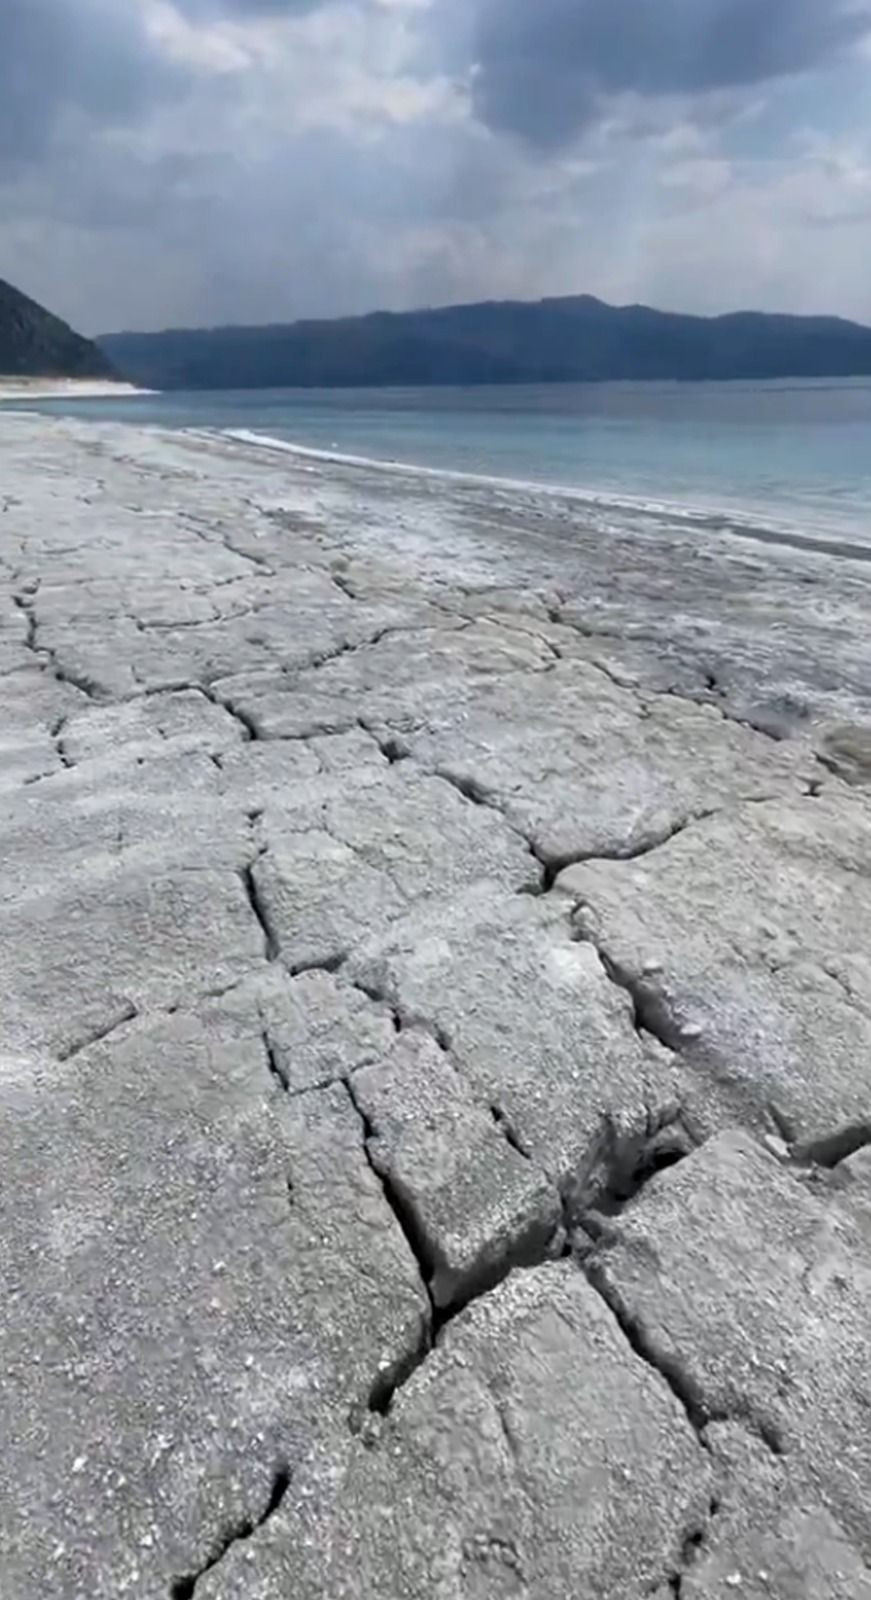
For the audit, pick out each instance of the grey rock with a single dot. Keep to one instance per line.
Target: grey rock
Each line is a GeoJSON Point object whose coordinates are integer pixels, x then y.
{"type": "Point", "coordinates": [397, 683]}
{"type": "Point", "coordinates": [475, 1205]}
{"type": "Point", "coordinates": [161, 812]}
{"type": "Point", "coordinates": [318, 898]}
{"type": "Point", "coordinates": [158, 1196]}
{"type": "Point", "coordinates": [752, 1289]}
{"type": "Point", "coordinates": [112, 943]}
{"type": "Point", "coordinates": [35, 708]}
{"type": "Point", "coordinates": [34, 696]}
{"type": "Point", "coordinates": [317, 1030]}
{"type": "Point", "coordinates": [477, 1487]}
{"type": "Point", "coordinates": [533, 1024]}
{"type": "Point", "coordinates": [765, 1538]}
{"type": "Point", "coordinates": [585, 768]}
{"type": "Point", "coordinates": [293, 779]}
{"type": "Point", "coordinates": [149, 725]}
{"type": "Point", "coordinates": [579, 765]}
{"type": "Point", "coordinates": [846, 750]}
{"type": "Point", "coordinates": [280, 1312]}
{"type": "Point", "coordinates": [347, 861]}
{"type": "Point", "coordinates": [743, 942]}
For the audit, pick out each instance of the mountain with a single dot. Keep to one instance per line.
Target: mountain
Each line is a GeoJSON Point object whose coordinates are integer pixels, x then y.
{"type": "Point", "coordinates": [550, 341]}
{"type": "Point", "coordinates": [34, 344]}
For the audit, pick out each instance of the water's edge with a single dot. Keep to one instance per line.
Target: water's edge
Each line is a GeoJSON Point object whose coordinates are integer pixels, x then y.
{"type": "Point", "coordinates": [701, 520]}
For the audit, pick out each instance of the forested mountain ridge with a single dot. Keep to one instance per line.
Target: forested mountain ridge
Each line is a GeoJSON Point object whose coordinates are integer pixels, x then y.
{"type": "Point", "coordinates": [34, 343]}
{"type": "Point", "coordinates": [577, 338]}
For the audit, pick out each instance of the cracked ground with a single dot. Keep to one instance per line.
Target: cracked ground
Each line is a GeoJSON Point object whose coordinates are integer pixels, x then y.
{"type": "Point", "coordinates": [436, 1040]}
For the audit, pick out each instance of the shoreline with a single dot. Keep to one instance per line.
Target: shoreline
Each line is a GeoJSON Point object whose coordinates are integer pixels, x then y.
{"type": "Point", "coordinates": [799, 527]}
{"type": "Point", "coordinates": [738, 523]}
{"type": "Point", "coordinates": [12, 389]}
{"type": "Point", "coordinates": [432, 964]}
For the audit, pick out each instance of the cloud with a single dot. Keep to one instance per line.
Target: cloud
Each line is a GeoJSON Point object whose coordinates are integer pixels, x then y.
{"type": "Point", "coordinates": [196, 161]}
{"type": "Point", "coordinates": [60, 58]}
{"type": "Point", "coordinates": [100, 62]}
{"type": "Point", "coordinates": [548, 69]}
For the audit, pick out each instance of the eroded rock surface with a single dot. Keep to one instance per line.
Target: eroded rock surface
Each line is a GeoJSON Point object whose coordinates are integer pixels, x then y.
{"type": "Point", "coordinates": [435, 1028]}
{"type": "Point", "coordinates": [744, 943]}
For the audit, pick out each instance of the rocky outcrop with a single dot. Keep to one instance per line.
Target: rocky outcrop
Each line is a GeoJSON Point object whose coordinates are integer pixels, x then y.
{"type": "Point", "coordinates": [435, 1022]}
{"type": "Point", "coordinates": [34, 343]}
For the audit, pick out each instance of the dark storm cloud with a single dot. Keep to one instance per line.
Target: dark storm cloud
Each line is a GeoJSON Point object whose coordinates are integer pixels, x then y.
{"type": "Point", "coordinates": [56, 56]}
{"type": "Point", "coordinates": [546, 68]}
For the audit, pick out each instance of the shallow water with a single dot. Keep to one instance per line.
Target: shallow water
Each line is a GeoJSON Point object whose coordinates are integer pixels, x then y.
{"type": "Point", "coordinates": [789, 455]}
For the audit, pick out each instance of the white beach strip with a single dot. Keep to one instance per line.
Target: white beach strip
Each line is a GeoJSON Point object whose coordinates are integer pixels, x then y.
{"type": "Point", "coordinates": [649, 517]}
{"type": "Point", "coordinates": [12, 388]}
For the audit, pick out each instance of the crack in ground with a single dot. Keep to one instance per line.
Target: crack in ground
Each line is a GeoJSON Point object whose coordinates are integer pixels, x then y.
{"type": "Point", "coordinates": [517, 1254]}
{"type": "Point", "coordinates": [403, 1020]}
{"type": "Point", "coordinates": [686, 1390]}
{"type": "Point", "coordinates": [509, 1133]}
{"type": "Point", "coordinates": [100, 1033]}
{"type": "Point", "coordinates": [619, 635]}
{"type": "Point", "coordinates": [621, 1164]}
{"type": "Point", "coordinates": [206, 532]}
{"type": "Point", "coordinates": [350, 647]}
{"type": "Point", "coordinates": [55, 732]}
{"type": "Point", "coordinates": [650, 1010]}
{"type": "Point", "coordinates": [692, 1548]}
{"type": "Point", "coordinates": [514, 625]}
{"type": "Point", "coordinates": [344, 584]}
{"type": "Point", "coordinates": [391, 747]}
{"type": "Point", "coordinates": [26, 607]}
{"type": "Point", "coordinates": [630, 1164]}
{"type": "Point", "coordinates": [276, 1070]}
{"type": "Point", "coordinates": [247, 723]}
{"type": "Point", "coordinates": [330, 964]}
{"type": "Point", "coordinates": [86, 686]}
{"type": "Point", "coordinates": [272, 946]}
{"type": "Point", "coordinates": [710, 692]}
{"type": "Point", "coordinates": [185, 625]}
{"type": "Point", "coordinates": [830, 1150]}
{"type": "Point", "coordinates": [317, 661]}
{"type": "Point", "coordinates": [553, 865]}
{"type": "Point", "coordinates": [393, 1377]}
{"type": "Point", "coordinates": [472, 790]}
{"type": "Point", "coordinates": [185, 1587]}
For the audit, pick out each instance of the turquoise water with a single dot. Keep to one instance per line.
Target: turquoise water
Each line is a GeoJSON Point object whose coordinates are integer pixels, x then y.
{"type": "Point", "coordinates": [794, 454]}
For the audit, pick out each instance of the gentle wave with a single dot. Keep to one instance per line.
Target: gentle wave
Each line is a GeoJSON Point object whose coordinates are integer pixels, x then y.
{"type": "Point", "coordinates": [701, 519]}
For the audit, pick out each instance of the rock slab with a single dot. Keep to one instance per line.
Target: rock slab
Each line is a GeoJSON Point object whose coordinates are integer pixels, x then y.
{"type": "Point", "coordinates": [434, 1040]}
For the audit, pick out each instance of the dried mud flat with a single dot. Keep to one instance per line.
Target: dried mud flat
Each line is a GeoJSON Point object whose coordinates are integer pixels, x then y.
{"type": "Point", "coordinates": [436, 1040]}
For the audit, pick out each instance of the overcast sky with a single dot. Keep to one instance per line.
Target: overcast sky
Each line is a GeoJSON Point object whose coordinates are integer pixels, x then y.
{"type": "Point", "coordinates": [197, 161]}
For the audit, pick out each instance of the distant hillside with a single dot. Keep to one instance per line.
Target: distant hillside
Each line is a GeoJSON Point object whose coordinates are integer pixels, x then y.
{"type": "Point", "coordinates": [35, 344]}
{"type": "Point", "coordinates": [550, 341]}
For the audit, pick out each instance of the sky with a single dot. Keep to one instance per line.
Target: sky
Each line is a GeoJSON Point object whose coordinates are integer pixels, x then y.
{"type": "Point", "coordinates": [191, 162]}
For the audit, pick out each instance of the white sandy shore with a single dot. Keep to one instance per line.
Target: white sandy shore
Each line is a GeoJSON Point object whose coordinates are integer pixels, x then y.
{"type": "Point", "coordinates": [66, 389]}
{"type": "Point", "coordinates": [658, 516]}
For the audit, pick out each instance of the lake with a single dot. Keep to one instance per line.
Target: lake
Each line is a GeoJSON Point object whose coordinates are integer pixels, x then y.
{"type": "Point", "coordinates": [793, 455]}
